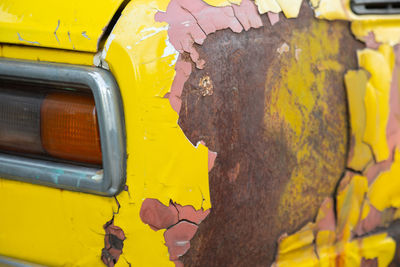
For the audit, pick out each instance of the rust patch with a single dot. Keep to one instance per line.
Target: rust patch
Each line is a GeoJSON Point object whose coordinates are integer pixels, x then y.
{"type": "Point", "coordinates": [206, 86]}
{"type": "Point", "coordinates": [113, 244]}
{"type": "Point", "coordinates": [234, 172]}
{"type": "Point", "coordinates": [255, 161]}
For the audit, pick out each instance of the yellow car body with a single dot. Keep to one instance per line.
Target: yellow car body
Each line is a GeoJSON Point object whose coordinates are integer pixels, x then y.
{"type": "Point", "coordinates": [55, 227]}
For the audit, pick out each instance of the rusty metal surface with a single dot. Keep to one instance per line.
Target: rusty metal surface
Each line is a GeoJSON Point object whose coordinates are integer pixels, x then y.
{"type": "Point", "coordinates": [227, 104]}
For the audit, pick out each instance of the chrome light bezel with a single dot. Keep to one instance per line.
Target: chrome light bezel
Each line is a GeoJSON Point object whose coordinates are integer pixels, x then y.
{"type": "Point", "coordinates": [107, 181]}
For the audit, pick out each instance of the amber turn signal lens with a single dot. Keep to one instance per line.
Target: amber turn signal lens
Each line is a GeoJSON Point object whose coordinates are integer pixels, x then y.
{"type": "Point", "coordinates": [69, 127]}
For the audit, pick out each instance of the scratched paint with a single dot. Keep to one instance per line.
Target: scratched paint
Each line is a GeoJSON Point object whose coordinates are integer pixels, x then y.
{"type": "Point", "coordinates": [62, 28]}
{"type": "Point", "coordinates": [186, 21]}
{"type": "Point", "coordinates": [183, 20]}
{"type": "Point", "coordinates": [154, 139]}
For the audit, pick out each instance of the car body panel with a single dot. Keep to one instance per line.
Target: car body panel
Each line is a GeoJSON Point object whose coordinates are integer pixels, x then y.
{"type": "Point", "coordinates": [58, 227]}
{"type": "Point", "coordinates": [46, 54]}
{"type": "Point", "coordinates": [75, 25]}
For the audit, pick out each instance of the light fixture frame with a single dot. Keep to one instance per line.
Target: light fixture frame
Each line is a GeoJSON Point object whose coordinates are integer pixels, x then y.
{"type": "Point", "coordinates": [107, 181]}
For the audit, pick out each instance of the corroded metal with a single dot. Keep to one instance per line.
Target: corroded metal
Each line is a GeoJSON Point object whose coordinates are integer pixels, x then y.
{"type": "Point", "coordinates": [275, 163]}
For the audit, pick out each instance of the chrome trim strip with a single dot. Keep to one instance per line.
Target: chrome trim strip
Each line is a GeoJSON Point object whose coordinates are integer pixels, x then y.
{"type": "Point", "coordinates": [111, 124]}
{"type": "Point", "coordinates": [11, 262]}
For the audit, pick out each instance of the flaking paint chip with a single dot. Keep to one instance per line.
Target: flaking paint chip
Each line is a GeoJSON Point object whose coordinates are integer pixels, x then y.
{"type": "Point", "coordinates": [284, 48]}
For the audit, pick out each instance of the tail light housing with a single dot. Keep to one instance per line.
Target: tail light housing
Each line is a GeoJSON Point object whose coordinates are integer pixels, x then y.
{"type": "Point", "coordinates": [61, 126]}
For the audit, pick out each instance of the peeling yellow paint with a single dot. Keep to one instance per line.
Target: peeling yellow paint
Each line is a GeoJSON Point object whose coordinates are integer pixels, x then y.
{"type": "Point", "coordinates": [290, 8]}
{"type": "Point", "coordinates": [385, 191]}
{"type": "Point", "coordinates": [356, 84]}
{"type": "Point", "coordinates": [313, 247]}
{"type": "Point", "coordinates": [378, 246]}
{"type": "Point", "coordinates": [380, 65]}
{"type": "Point", "coordinates": [340, 9]}
{"type": "Point", "coordinates": [329, 9]}
{"type": "Point", "coordinates": [265, 6]}
{"type": "Point", "coordinates": [385, 27]}
{"type": "Point", "coordinates": [162, 162]}
{"type": "Point", "coordinates": [326, 250]}
{"type": "Point", "coordinates": [222, 2]}
{"type": "Point", "coordinates": [297, 249]}
{"type": "Point", "coordinates": [349, 205]}
{"type": "Point", "coordinates": [385, 31]}
{"type": "Point", "coordinates": [368, 98]}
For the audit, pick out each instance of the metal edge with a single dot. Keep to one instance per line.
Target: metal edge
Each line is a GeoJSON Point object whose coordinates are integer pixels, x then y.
{"type": "Point", "coordinates": [7, 261]}
{"type": "Point", "coordinates": [110, 115]}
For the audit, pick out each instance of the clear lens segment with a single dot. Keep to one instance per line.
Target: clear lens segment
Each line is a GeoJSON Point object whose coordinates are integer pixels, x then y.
{"type": "Point", "coordinates": [20, 121]}
{"type": "Point", "coordinates": [49, 123]}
